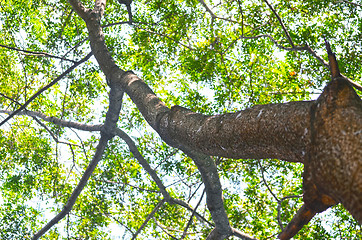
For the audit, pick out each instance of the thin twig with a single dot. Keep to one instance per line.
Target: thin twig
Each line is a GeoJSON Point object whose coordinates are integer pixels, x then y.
{"type": "Point", "coordinates": [355, 4]}
{"type": "Point", "coordinates": [180, 180]}
{"type": "Point", "coordinates": [38, 54]}
{"type": "Point", "coordinates": [193, 194]}
{"type": "Point", "coordinates": [192, 216]}
{"type": "Point", "coordinates": [295, 48]}
{"type": "Point", "coordinates": [37, 120]}
{"type": "Point", "coordinates": [275, 197]}
{"type": "Point", "coordinates": [266, 184]}
{"type": "Point", "coordinates": [160, 203]}
{"type": "Point", "coordinates": [81, 142]}
{"type": "Point", "coordinates": [166, 36]}
{"type": "Point", "coordinates": [52, 134]}
{"type": "Point", "coordinates": [207, 8]}
{"type": "Point", "coordinates": [130, 185]}
{"type": "Point", "coordinates": [119, 222]}
{"type": "Point", "coordinates": [214, 16]}
{"type": "Point", "coordinates": [75, 46]}
{"type": "Point", "coordinates": [122, 23]}
{"type": "Point", "coordinates": [163, 228]}
{"type": "Point", "coordinates": [185, 205]}
{"type": "Point", "coordinates": [281, 24]}
{"type": "Point", "coordinates": [242, 36]}
{"type": "Point", "coordinates": [47, 87]}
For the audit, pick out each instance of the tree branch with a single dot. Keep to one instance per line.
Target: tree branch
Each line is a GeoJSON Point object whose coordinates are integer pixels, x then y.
{"type": "Point", "coordinates": [192, 215]}
{"type": "Point", "coordinates": [214, 199]}
{"type": "Point", "coordinates": [56, 121]}
{"type": "Point", "coordinates": [52, 134]}
{"type": "Point", "coordinates": [352, 3]}
{"type": "Point", "coordinates": [47, 87]}
{"type": "Point", "coordinates": [241, 235]}
{"type": "Point", "coordinates": [115, 104]}
{"type": "Point", "coordinates": [266, 131]}
{"type": "Point", "coordinates": [265, 183]}
{"type": "Point", "coordinates": [213, 16]}
{"type": "Point", "coordinates": [166, 36]}
{"type": "Point", "coordinates": [325, 63]}
{"type": "Point", "coordinates": [79, 8]}
{"type": "Point", "coordinates": [294, 48]}
{"type": "Point", "coordinates": [160, 203]}
{"type": "Point", "coordinates": [207, 8]}
{"type": "Point", "coordinates": [163, 229]}
{"type": "Point", "coordinates": [281, 24]}
{"type": "Point", "coordinates": [143, 162]}
{"type": "Point", "coordinates": [39, 54]}
{"type": "Point", "coordinates": [185, 205]}
{"type": "Point", "coordinates": [71, 201]}
{"type": "Point", "coordinates": [302, 217]}
{"type": "Point", "coordinates": [279, 207]}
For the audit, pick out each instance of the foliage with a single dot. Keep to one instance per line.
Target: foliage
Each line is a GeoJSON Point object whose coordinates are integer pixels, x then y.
{"type": "Point", "coordinates": [209, 65]}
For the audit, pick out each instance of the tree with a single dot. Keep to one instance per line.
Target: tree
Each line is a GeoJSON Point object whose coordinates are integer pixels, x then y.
{"type": "Point", "coordinates": [90, 160]}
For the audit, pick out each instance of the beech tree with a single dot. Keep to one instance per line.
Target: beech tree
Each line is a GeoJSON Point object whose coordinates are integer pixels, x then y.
{"type": "Point", "coordinates": [180, 119]}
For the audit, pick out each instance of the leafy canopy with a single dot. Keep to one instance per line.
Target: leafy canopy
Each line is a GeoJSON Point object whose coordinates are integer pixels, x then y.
{"type": "Point", "coordinates": [211, 65]}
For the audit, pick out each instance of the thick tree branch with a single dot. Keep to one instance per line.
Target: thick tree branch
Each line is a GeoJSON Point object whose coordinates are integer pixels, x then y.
{"type": "Point", "coordinates": [280, 206]}
{"type": "Point", "coordinates": [143, 162]}
{"type": "Point", "coordinates": [47, 87]}
{"type": "Point", "coordinates": [280, 131]}
{"type": "Point", "coordinates": [115, 104]}
{"type": "Point", "coordinates": [263, 131]}
{"type": "Point", "coordinates": [303, 216]}
{"type": "Point", "coordinates": [271, 131]}
{"type": "Point", "coordinates": [71, 201]}
{"type": "Point", "coordinates": [79, 8]}
{"type": "Point", "coordinates": [214, 199]}
{"type": "Point", "coordinates": [171, 125]}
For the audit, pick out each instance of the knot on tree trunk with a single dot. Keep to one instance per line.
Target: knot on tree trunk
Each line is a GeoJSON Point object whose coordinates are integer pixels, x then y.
{"type": "Point", "coordinates": [332, 169]}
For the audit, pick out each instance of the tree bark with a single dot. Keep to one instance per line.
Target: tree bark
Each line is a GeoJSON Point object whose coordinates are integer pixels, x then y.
{"type": "Point", "coordinates": [325, 134]}
{"type": "Point", "coordinates": [333, 169]}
